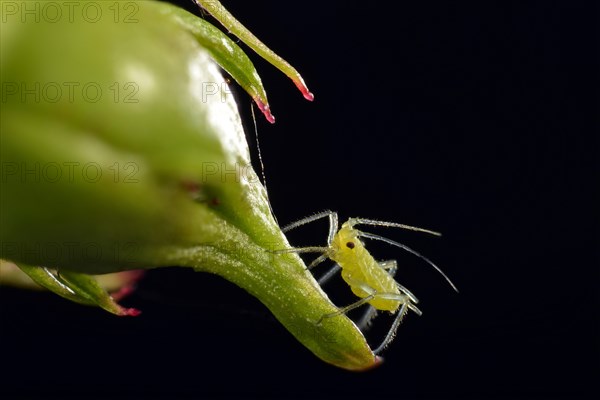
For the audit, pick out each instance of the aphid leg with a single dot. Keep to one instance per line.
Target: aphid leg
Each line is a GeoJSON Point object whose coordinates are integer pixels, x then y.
{"type": "Point", "coordinates": [329, 274]}
{"type": "Point", "coordinates": [348, 308]}
{"type": "Point", "coordinates": [391, 266]}
{"type": "Point", "coordinates": [365, 321]}
{"type": "Point", "coordinates": [407, 299]}
{"type": "Point", "coordinates": [333, 226]}
{"type": "Point", "coordinates": [317, 261]}
{"type": "Point", "coordinates": [371, 293]}
{"type": "Point", "coordinates": [369, 314]}
{"type": "Point", "coordinates": [313, 249]}
{"type": "Point", "coordinates": [407, 303]}
{"type": "Point", "coordinates": [333, 223]}
{"type": "Point", "coordinates": [392, 332]}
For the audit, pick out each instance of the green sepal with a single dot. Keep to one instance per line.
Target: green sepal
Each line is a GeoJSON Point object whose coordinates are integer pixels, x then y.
{"type": "Point", "coordinates": [78, 287]}
{"type": "Point", "coordinates": [226, 53]}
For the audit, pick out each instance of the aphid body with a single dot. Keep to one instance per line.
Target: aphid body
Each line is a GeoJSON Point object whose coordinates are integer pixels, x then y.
{"type": "Point", "coordinates": [370, 280]}
{"type": "Point", "coordinates": [359, 266]}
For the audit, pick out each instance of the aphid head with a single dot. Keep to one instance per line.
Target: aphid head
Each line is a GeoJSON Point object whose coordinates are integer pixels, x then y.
{"type": "Point", "coordinates": [346, 238]}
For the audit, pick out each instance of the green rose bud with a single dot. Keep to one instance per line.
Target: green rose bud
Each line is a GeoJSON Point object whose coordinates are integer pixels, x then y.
{"type": "Point", "coordinates": [122, 148]}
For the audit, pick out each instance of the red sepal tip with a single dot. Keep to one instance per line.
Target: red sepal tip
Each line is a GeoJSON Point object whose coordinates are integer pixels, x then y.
{"type": "Point", "coordinates": [129, 312]}
{"type": "Point", "coordinates": [265, 109]}
{"type": "Point", "coordinates": [304, 90]}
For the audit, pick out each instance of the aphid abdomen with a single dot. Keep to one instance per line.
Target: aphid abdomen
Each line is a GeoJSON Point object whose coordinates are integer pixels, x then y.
{"type": "Point", "coordinates": [358, 266]}
{"type": "Point", "coordinates": [380, 280]}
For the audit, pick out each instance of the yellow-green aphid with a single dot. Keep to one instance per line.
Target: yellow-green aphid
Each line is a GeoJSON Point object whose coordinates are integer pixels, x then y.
{"type": "Point", "coordinates": [370, 280]}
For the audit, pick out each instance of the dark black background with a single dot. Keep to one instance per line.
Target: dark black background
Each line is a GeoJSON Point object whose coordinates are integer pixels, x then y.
{"type": "Point", "coordinates": [465, 117]}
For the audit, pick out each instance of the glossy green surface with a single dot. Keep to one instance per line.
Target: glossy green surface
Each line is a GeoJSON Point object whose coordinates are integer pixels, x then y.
{"type": "Point", "coordinates": [156, 173]}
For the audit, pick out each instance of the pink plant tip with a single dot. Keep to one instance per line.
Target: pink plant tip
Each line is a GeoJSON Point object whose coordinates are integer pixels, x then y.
{"type": "Point", "coordinates": [308, 95]}
{"type": "Point", "coordinates": [129, 312]}
{"type": "Point", "coordinates": [377, 361]}
{"type": "Point", "coordinates": [265, 109]}
{"type": "Point", "coordinates": [304, 90]}
{"type": "Point", "coordinates": [123, 292]}
{"type": "Point", "coordinates": [131, 278]}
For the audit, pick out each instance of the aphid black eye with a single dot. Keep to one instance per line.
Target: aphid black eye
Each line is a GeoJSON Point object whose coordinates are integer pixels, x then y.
{"type": "Point", "coordinates": [350, 245]}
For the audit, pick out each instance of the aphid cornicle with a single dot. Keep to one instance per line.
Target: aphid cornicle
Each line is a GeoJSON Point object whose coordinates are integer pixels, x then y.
{"type": "Point", "coordinates": [370, 280]}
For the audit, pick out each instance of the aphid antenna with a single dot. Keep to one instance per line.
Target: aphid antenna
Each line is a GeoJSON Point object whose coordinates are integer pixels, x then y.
{"type": "Point", "coordinates": [372, 222]}
{"type": "Point", "coordinates": [408, 249]}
